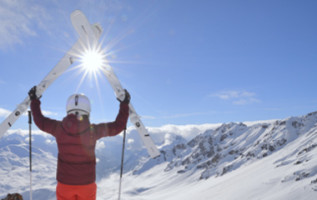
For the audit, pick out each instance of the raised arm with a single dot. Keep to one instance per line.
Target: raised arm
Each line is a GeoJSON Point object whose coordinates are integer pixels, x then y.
{"type": "Point", "coordinates": [115, 127]}
{"type": "Point", "coordinates": [45, 124]}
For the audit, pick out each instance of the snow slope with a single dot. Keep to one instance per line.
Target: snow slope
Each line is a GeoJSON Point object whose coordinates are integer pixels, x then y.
{"type": "Point", "coordinates": [273, 159]}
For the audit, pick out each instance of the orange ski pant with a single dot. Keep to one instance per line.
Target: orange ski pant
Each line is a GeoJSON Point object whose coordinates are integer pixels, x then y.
{"type": "Point", "coordinates": [76, 192]}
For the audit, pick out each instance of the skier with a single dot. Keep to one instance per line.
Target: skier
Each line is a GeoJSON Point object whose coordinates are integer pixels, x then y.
{"type": "Point", "coordinates": [76, 140]}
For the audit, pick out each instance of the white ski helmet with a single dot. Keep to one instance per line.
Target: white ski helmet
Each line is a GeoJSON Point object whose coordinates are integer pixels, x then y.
{"type": "Point", "coordinates": [78, 104]}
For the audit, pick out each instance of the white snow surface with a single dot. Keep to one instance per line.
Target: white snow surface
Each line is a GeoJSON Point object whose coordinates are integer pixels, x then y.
{"type": "Point", "coordinates": [264, 160]}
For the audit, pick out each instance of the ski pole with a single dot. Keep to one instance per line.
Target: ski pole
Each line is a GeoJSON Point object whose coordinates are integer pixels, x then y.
{"type": "Point", "coordinates": [122, 159]}
{"type": "Point", "coordinates": [30, 151]}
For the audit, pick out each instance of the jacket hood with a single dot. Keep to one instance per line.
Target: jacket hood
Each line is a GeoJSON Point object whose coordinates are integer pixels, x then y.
{"type": "Point", "coordinates": [75, 126]}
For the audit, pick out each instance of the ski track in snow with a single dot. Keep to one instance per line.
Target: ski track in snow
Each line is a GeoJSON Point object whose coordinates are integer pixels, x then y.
{"type": "Point", "coordinates": [267, 160]}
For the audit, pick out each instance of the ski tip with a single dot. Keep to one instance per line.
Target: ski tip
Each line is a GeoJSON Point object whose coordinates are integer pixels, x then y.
{"type": "Point", "coordinates": [76, 13]}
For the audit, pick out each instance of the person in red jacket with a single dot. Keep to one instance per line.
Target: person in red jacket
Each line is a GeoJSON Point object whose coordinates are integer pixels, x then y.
{"type": "Point", "coordinates": [76, 141]}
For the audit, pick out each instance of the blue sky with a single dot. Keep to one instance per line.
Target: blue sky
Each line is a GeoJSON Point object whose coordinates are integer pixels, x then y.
{"type": "Point", "coordinates": [184, 62]}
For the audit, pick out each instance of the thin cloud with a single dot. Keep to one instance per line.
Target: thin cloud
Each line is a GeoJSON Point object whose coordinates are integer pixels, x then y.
{"type": "Point", "coordinates": [100, 145]}
{"type": "Point", "coordinates": [176, 115]}
{"type": "Point", "coordinates": [19, 19]}
{"type": "Point", "coordinates": [45, 113]}
{"type": "Point", "coordinates": [183, 115]}
{"type": "Point", "coordinates": [237, 97]}
{"type": "Point", "coordinates": [25, 132]}
{"type": "Point", "coordinates": [148, 117]}
{"type": "Point", "coordinates": [49, 113]}
{"type": "Point", "coordinates": [4, 112]}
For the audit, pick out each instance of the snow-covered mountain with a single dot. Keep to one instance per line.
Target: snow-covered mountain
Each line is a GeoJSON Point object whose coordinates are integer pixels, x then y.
{"type": "Point", "coordinates": [273, 159]}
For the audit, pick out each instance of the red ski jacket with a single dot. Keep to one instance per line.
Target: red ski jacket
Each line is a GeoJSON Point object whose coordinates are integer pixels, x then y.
{"type": "Point", "coordinates": [76, 141]}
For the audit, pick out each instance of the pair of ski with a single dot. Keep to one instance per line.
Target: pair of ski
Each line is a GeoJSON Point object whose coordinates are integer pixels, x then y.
{"type": "Point", "coordinates": [89, 37]}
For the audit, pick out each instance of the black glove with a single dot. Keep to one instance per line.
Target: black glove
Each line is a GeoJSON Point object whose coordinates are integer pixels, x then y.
{"type": "Point", "coordinates": [127, 97]}
{"type": "Point", "coordinates": [32, 93]}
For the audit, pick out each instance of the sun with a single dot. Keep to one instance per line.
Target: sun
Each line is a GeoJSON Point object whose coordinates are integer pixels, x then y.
{"type": "Point", "coordinates": [92, 60]}
{"type": "Point", "coordinates": [91, 63]}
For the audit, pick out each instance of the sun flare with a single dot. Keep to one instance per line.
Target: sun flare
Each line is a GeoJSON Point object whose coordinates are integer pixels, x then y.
{"type": "Point", "coordinates": [92, 60]}
{"type": "Point", "coordinates": [91, 64]}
